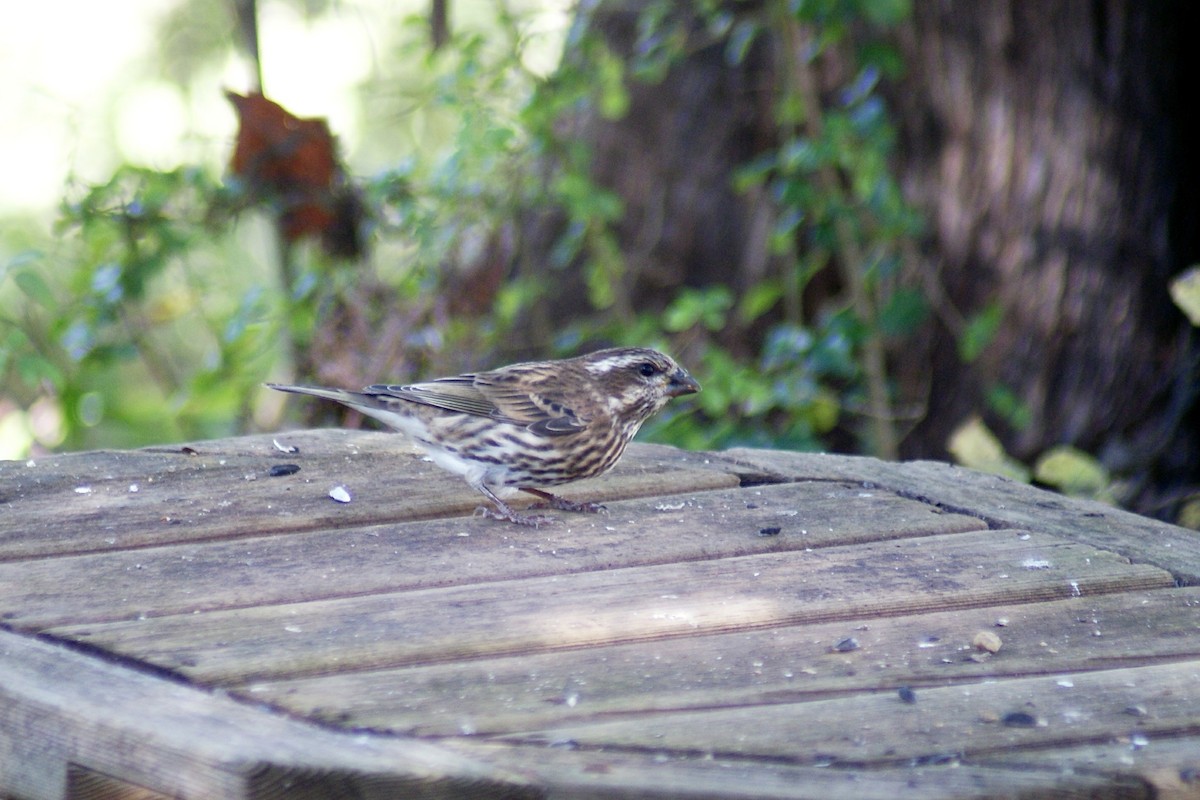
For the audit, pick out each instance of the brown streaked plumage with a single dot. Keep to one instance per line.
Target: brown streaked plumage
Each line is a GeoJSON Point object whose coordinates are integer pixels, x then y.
{"type": "Point", "coordinates": [527, 426]}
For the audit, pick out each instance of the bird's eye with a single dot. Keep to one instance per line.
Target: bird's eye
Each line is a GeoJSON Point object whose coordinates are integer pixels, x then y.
{"type": "Point", "coordinates": [647, 369]}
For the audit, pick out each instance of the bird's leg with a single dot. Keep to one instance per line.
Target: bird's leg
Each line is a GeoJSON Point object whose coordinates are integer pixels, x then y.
{"type": "Point", "coordinates": [563, 504]}
{"type": "Point", "coordinates": [504, 512]}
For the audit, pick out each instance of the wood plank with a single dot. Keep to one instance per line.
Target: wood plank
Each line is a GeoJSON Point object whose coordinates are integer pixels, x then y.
{"type": "Point", "coordinates": [1004, 503]}
{"type": "Point", "coordinates": [67, 713]}
{"type": "Point", "coordinates": [580, 774]}
{"type": "Point", "coordinates": [537, 614]}
{"type": "Point", "coordinates": [104, 501]}
{"type": "Point", "coordinates": [1169, 766]}
{"type": "Point", "coordinates": [966, 721]}
{"type": "Point", "coordinates": [88, 783]}
{"type": "Point", "coordinates": [311, 565]}
{"type": "Point", "coordinates": [800, 662]}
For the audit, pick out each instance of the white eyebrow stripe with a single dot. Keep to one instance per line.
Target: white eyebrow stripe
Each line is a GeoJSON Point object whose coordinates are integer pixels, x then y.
{"type": "Point", "coordinates": [610, 363]}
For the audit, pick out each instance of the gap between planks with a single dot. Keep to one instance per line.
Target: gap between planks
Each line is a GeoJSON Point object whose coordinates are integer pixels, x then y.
{"type": "Point", "coordinates": [787, 664]}
{"type": "Point", "coordinates": [961, 722]}
{"type": "Point", "coordinates": [1002, 502]}
{"type": "Point", "coordinates": [591, 774]}
{"type": "Point", "coordinates": [105, 501]}
{"type": "Point", "coordinates": [288, 568]}
{"type": "Point", "coordinates": [652, 602]}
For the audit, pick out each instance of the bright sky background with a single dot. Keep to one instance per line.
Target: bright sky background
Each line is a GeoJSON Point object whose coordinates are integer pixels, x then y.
{"type": "Point", "coordinates": [76, 99]}
{"type": "Point", "coordinates": [79, 95]}
{"type": "Point", "coordinates": [64, 63]}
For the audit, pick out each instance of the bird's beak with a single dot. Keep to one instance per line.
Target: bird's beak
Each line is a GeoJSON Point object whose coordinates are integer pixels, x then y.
{"type": "Point", "coordinates": [682, 383]}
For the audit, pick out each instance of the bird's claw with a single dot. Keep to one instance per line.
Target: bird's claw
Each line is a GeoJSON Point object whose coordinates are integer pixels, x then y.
{"type": "Point", "coordinates": [508, 515]}
{"type": "Point", "coordinates": [562, 504]}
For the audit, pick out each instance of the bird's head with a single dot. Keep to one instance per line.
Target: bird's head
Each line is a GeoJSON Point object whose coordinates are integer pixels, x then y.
{"type": "Point", "coordinates": [636, 382]}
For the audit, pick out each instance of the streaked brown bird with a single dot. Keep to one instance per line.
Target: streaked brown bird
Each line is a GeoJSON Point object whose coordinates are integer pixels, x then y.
{"type": "Point", "coordinates": [527, 426]}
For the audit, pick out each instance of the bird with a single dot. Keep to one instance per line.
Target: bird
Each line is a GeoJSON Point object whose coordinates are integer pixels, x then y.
{"type": "Point", "coordinates": [526, 426]}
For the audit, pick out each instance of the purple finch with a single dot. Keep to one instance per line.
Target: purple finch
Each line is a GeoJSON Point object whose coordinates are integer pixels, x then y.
{"type": "Point", "coordinates": [527, 426]}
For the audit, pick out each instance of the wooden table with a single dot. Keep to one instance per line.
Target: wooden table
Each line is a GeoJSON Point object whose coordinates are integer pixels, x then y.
{"type": "Point", "coordinates": [180, 621]}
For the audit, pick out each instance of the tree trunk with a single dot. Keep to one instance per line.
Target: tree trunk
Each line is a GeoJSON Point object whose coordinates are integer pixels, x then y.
{"type": "Point", "coordinates": [1040, 141]}
{"type": "Point", "coordinates": [1044, 143]}
{"type": "Point", "coordinates": [670, 158]}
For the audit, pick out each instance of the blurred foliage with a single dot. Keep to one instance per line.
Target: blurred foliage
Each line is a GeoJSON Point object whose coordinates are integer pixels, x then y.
{"type": "Point", "coordinates": [155, 314]}
{"type": "Point", "coordinates": [163, 299]}
{"type": "Point", "coordinates": [1185, 292]}
{"type": "Point", "coordinates": [133, 321]}
{"type": "Point", "coordinates": [834, 205]}
{"type": "Point", "coordinates": [1063, 468]}
{"type": "Point", "coordinates": [973, 445]}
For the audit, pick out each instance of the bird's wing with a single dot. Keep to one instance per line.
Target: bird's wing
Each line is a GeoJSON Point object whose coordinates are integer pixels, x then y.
{"type": "Point", "coordinates": [539, 412]}
{"type": "Point", "coordinates": [501, 400]}
{"type": "Point", "coordinates": [458, 394]}
{"type": "Point", "coordinates": [500, 397]}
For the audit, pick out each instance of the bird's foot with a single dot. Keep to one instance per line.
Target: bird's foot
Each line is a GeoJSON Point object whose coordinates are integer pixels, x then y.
{"type": "Point", "coordinates": [506, 514]}
{"type": "Point", "coordinates": [563, 504]}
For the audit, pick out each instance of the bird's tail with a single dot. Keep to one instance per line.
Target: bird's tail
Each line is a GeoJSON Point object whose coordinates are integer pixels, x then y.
{"type": "Point", "coordinates": [337, 395]}
{"type": "Point", "coordinates": [389, 411]}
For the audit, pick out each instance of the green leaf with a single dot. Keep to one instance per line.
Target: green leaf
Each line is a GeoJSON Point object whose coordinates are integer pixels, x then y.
{"type": "Point", "coordinates": [614, 97]}
{"type": "Point", "coordinates": [1185, 291]}
{"type": "Point", "coordinates": [1189, 514]}
{"type": "Point", "coordinates": [801, 155]}
{"type": "Point", "coordinates": [681, 314]}
{"type": "Point", "coordinates": [979, 332]}
{"type": "Point", "coordinates": [34, 369]}
{"type": "Point", "coordinates": [754, 172]}
{"type": "Point", "coordinates": [35, 288]}
{"type": "Point", "coordinates": [976, 447]}
{"type": "Point", "coordinates": [884, 56]}
{"type": "Point", "coordinates": [758, 300]}
{"type": "Point", "coordinates": [906, 309]}
{"type": "Point", "coordinates": [1072, 471]}
{"type": "Point", "coordinates": [585, 200]}
{"type": "Point", "coordinates": [740, 39]}
{"type": "Point", "coordinates": [1005, 402]}
{"type": "Point", "coordinates": [22, 259]}
{"type": "Point", "coordinates": [699, 306]}
{"type": "Point", "coordinates": [885, 13]}
{"type": "Point", "coordinates": [12, 346]}
{"type": "Point", "coordinates": [783, 232]}
{"type": "Point", "coordinates": [604, 270]}
{"type": "Point", "coordinates": [824, 411]}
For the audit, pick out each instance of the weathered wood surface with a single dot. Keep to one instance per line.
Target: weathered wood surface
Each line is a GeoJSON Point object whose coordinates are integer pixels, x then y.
{"type": "Point", "coordinates": [105, 501]}
{"type": "Point", "coordinates": [178, 622]}
{"type": "Point", "coordinates": [74, 718]}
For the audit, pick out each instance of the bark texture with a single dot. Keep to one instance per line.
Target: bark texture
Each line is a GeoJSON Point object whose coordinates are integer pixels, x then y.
{"type": "Point", "coordinates": [1044, 144]}
{"type": "Point", "coordinates": [1048, 147]}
